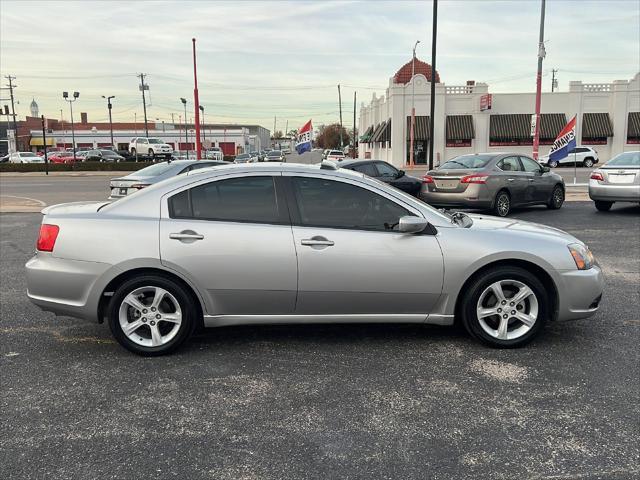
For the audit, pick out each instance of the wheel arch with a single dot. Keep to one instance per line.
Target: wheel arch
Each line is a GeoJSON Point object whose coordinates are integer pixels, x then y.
{"type": "Point", "coordinates": [535, 269]}
{"type": "Point", "coordinates": [109, 289]}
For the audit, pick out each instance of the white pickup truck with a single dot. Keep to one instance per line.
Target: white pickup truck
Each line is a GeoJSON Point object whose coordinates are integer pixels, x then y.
{"type": "Point", "coordinates": [151, 147]}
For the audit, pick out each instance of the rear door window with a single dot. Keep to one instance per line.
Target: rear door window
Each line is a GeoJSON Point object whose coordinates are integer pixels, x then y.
{"type": "Point", "coordinates": [510, 164]}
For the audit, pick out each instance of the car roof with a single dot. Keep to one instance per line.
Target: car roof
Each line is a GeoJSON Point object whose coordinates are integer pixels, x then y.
{"type": "Point", "coordinates": [353, 162]}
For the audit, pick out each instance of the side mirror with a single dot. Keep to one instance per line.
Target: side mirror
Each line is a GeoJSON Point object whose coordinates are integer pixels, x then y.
{"type": "Point", "coordinates": [409, 224]}
{"type": "Point", "coordinates": [400, 174]}
{"type": "Point", "coordinates": [545, 169]}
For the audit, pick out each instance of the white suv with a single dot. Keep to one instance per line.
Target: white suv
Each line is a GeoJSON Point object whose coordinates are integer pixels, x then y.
{"type": "Point", "coordinates": [214, 153]}
{"type": "Point", "coordinates": [152, 147]}
{"type": "Point", "coordinates": [585, 156]}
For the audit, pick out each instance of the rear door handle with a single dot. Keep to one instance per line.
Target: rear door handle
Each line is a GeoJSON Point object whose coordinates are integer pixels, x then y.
{"type": "Point", "coordinates": [186, 236]}
{"type": "Point", "coordinates": [531, 180]}
{"type": "Point", "coordinates": [317, 242]}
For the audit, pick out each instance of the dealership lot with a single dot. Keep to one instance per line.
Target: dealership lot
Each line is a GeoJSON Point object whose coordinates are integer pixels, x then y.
{"type": "Point", "coordinates": [357, 401]}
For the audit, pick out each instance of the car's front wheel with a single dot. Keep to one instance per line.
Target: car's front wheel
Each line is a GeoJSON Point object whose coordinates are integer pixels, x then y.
{"type": "Point", "coordinates": [603, 206]}
{"type": "Point", "coordinates": [588, 162]}
{"type": "Point", "coordinates": [505, 307]}
{"type": "Point", "coordinates": [151, 315]}
{"type": "Point", "coordinates": [557, 198]}
{"type": "Point", "coordinates": [152, 154]}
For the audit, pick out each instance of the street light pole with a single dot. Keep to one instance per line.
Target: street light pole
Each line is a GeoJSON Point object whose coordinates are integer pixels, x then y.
{"type": "Point", "coordinates": [413, 104]}
{"type": "Point", "coordinates": [110, 121]}
{"type": "Point", "coordinates": [204, 133]}
{"type": "Point", "coordinates": [186, 138]}
{"type": "Point", "coordinates": [434, 74]}
{"type": "Point", "coordinates": [65, 95]}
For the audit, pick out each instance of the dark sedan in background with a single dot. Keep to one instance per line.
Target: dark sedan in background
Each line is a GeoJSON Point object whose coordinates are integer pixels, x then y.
{"type": "Point", "coordinates": [492, 181]}
{"type": "Point", "coordinates": [386, 173]}
{"type": "Point", "coordinates": [103, 155]}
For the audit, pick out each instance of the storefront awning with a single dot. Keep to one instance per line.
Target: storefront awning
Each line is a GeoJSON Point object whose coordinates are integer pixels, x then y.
{"type": "Point", "coordinates": [510, 126]}
{"type": "Point", "coordinates": [633, 126]}
{"type": "Point", "coordinates": [378, 131]}
{"type": "Point", "coordinates": [386, 135]}
{"type": "Point", "coordinates": [551, 124]}
{"type": "Point", "coordinates": [596, 125]}
{"type": "Point", "coordinates": [421, 132]}
{"type": "Point", "coordinates": [37, 142]}
{"type": "Point", "coordinates": [367, 135]}
{"type": "Point", "coordinates": [460, 127]}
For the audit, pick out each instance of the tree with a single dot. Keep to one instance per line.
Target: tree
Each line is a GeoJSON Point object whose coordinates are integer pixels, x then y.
{"type": "Point", "coordinates": [278, 134]}
{"type": "Point", "coordinates": [329, 136]}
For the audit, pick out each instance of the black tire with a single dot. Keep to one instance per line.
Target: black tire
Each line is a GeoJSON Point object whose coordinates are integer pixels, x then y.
{"type": "Point", "coordinates": [588, 162]}
{"type": "Point", "coordinates": [557, 198]}
{"type": "Point", "coordinates": [552, 164]}
{"type": "Point", "coordinates": [184, 299]}
{"type": "Point", "coordinates": [468, 306]}
{"type": "Point", "coordinates": [603, 206]}
{"type": "Point", "coordinates": [502, 204]}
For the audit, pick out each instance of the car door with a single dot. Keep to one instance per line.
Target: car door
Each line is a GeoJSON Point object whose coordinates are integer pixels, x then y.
{"type": "Point", "coordinates": [351, 258]}
{"type": "Point", "coordinates": [232, 237]}
{"type": "Point", "coordinates": [393, 176]}
{"type": "Point", "coordinates": [539, 183]}
{"type": "Point", "coordinates": [512, 178]}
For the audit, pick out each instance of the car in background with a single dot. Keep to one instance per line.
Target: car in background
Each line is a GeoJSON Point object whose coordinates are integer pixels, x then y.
{"type": "Point", "coordinates": [245, 158]}
{"type": "Point", "coordinates": [81, 156]}
{"type": "Point", "coordinates": [63, 157]}
{"type": "Point", "coordinates": [5, 158]}
{"type": "Point", "coordinates": [581, 155]}
{"type": "Point", "coordinates": [492, 181]}
{"type": "Point", "coordinates": [618, 180]}
{"type": "Point", "coordinates": [145, 177]}
{"type": "Point", "coordinates": [152, 147]}
{"type": "Point", "coordinates": [277, 243]}
{"type": "Point", "coordinates": [255, 156]}
{"type": "Point", "coordinates": [214, 153]}
{"type": "Point", "coordinates": [103, 155]}
{"type": "Point", "coordinates": [25, 157]}
{"type": "Point", "coordinates": [275, 156]}
{"type": "Point", "coordinates": [386, 173]}
{"type": "Point", "coordinates": [325, 152]}
{"type": "Point", "coordinates": [286, 151]}
{"type": "Point", "coordinates": [335, 156]}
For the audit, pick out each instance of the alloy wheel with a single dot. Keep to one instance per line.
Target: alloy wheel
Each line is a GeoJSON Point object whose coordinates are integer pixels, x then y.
{"type": "Point", "coordinates": [558, 197]}
{"type": "Point", "coordinates": [150, 316]}
{"type": "Point", "coordinates": [503, 204]}
{"type": "Point", "coordinates": [507, 309]}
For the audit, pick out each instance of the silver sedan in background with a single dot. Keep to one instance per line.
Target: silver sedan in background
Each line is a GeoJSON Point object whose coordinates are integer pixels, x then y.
{"type": "Point", "coordinates": [618, 180]}
{"type": "Point", "coordinates": [269, 243]}
{"type": "Point", "coordinates": [492, 181]}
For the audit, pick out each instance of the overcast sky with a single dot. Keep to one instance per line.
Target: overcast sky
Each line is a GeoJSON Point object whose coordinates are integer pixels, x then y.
{"type": "Point", "coordinates": [257, 60]}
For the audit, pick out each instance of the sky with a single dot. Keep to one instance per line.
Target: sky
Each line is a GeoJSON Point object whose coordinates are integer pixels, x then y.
{"type": "Point", "coordinates": [263, 59]}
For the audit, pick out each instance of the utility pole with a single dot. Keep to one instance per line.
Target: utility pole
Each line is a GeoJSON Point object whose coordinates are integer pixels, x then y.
{"type": "Point", "coordinates": [355, 146]}
{"type": "Point", "coordinates": [413, 105]}
{"type": "Point", "coordinates": [274, 132]}
{"type": "Point", "coordinates": [144, 87]}
{"type": "Point", "coordinates": [340, 102]}
{"type": "Point", "coordinates": [110, 120]}
{"type": "Point", "coordinates": [172, 120]}
{"type": "Point", "coordinates": [196, 103]}
{"type": "Point", "coordinates": [44, 144]}
{"type": "Point", "coordinates": [541, 55]}
{"type": "Point", "coordinates": [554, 82]}
{"type": "Point", "coordinates": [432, 108]}
{"type": "Point", "coordinates": [13, 110]}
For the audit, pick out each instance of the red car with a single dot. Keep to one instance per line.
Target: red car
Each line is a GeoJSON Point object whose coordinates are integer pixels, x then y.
{"type": "Point", "coordinates": [62, 157]}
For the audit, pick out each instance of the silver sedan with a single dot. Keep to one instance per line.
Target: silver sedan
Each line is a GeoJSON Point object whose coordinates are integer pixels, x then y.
{"type": "Point", "coordinates": [618, 180]}
{"type": "Point", "coordinates": [274, 243]}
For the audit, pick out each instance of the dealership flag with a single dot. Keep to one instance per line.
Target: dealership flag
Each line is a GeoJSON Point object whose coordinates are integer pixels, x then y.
{"type": "Point", "coordinates": [565, 142]}
{"type": "Point", "coordinates": [304, 138]}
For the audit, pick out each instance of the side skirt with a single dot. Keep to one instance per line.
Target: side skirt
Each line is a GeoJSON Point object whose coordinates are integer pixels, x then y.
{"type": "Point", "coordinates": [226, 320]}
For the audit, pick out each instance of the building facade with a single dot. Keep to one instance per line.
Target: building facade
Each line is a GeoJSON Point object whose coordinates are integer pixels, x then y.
{"type": "Point", "coordinates": [470, 119]}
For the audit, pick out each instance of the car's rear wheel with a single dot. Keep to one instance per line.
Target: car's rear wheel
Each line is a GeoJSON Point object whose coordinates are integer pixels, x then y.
{"type": "Point", "coordinates": [557, 198]}
{"type": "Point", "coordinates": [151, 315]}
{"type": "Point", "coordinates": [587, 162]}
{"type": "Point", "coordinates": [552, 164]}
{"type": "Point", "coordinates": [505, 307]}
{"type": "Point", "coordinates": [603, 206]}
{"type": "Point", "coordinates": [502, 204]}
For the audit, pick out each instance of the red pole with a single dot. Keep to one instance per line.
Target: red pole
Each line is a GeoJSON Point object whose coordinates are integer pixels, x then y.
{"type": "Point", "coordinates": [196, 103]}
{"type": "Point", "coordinates": [541, 55]}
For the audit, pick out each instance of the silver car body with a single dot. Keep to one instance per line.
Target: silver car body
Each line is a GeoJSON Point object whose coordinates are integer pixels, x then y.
{"type": "Point", "coordinates": [524, 187]}
{"type": "Point", "coordinates": [620, 179]}
{"type": "Point", "coordinates": [264, 273]}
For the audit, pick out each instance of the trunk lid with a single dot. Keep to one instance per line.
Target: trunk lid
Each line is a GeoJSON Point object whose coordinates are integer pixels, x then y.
{"type": "Point", "coordinates": [621, 175]}
{"type": "Point", "coordinates": [449, 180]}
{"type": "Point", "coordinates": [73, 208]}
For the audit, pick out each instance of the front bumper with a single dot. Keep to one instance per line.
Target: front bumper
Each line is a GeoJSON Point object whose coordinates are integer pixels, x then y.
{"type": "Point", "coordinates": [474, 196]}
{"type": "Point", "coordinates": [614, 192]}
{"type": "Point", "coordinates": [64, 287]}
{"type": "Point", "coordinates": [579, 293]}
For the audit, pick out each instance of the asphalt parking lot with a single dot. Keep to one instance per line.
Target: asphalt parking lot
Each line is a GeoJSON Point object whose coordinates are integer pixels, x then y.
{"type": "Point", "coordinates": [327, 401]}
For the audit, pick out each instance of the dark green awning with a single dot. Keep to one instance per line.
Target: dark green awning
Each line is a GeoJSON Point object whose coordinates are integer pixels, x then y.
{"type": "Point", "coordinates": [510, 126]}
{"type": "Point", "coordinates": [367, 135]}
{"type": "Point", "coordinates": [551, 124]}
{"type": "Point", "coordinates": [633, 126]}
{"type": "Point", "coordinates": [421, 132]}
{"type": "Point", "coordinates": [596, 125]}
{"type": "Point", "coordinates": [460, 127]}
{"type": "Point", "coordinates": [378, 132]}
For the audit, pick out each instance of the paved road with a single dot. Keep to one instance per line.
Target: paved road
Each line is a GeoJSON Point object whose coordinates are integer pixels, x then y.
{"type": "Point", "coordinates": [327, 401]}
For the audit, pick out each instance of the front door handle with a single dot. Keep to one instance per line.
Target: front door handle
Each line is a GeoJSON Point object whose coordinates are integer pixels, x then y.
{"type": "Point", "coordinates": [186, 236]}
{"type": "Point", "coordinates": [531, 180]}
{"type": "Point", "coordinates": [510, 179]}
{"type": "Point", "coordinates": [317, 242]}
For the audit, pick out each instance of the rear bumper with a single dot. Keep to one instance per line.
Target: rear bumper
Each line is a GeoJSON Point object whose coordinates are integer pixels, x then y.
{"type": "Point", "coordinates": [580, 292]}
{"type": "Point", "coordinates": [64, 287]}
{"type": "Point", "coordinates": [613, 193]}
{"type": "Point", "coordinates": [475, 196]}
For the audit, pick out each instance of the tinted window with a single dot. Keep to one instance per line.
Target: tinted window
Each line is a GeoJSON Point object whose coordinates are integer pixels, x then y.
{"type": "Point", "coordinates": [386, 170]}
{"type": "Point", "coordinates": [467, 161]}
{"type": "Point", "coordinates": [155, 140]}
{"type": "Point", "coordinates": [530, 165]}
{"type": "Point", "coordinates": [153, 170]}
{"type": "Point", "coordinates": [249, 199]}
{"type": "Point", "coordinates": [367, 169]}
{"type": "Point", "coordinates": [510, 164]}
{"type": "Point", "coordinates": [328, 203]}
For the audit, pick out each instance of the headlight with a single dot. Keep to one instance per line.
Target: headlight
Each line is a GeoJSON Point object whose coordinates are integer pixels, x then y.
{"type": "Point", "coordinates": [581, 255]}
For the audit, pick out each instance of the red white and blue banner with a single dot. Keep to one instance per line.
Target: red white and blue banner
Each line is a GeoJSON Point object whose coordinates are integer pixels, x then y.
{"type": "Point", "coordinates": [565, 142]}
{"type": "Point", "coordinates": [303, 143]}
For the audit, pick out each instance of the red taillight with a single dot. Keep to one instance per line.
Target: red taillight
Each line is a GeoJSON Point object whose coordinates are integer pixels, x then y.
{"type": "Point", "coordinates": [481, 179]}
{"type": "Point", "coordinates": [597, 176]}
{"type": "Point", "coordinates": [47, 237]}
{"type": "Point", "coordinates": [427, 179]}
{"type": "Point", "coordinates": [140, 186]}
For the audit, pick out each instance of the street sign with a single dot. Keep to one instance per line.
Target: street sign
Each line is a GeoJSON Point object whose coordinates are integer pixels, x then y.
{"type": "Point", "coordinates": [533, 124]}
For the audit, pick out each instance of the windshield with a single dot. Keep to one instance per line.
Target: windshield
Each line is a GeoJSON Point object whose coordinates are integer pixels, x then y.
{"type": "Point", "coordinates": [467, 161]}
{"type": "Point", "coordinates": [108, 152]}
{"type": "Point", "coordinates": [155, 140]}
{"type": "Point", "coordinates": [274, 153]}
{"type": "Point", "coordinates": [627, 159]}
{"type": "Point", "coordinates": [244, 155]}
{"type": "Point", "coordinates": [153, 170]}
{"type": "Point", "coordinates": [28, 154]}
